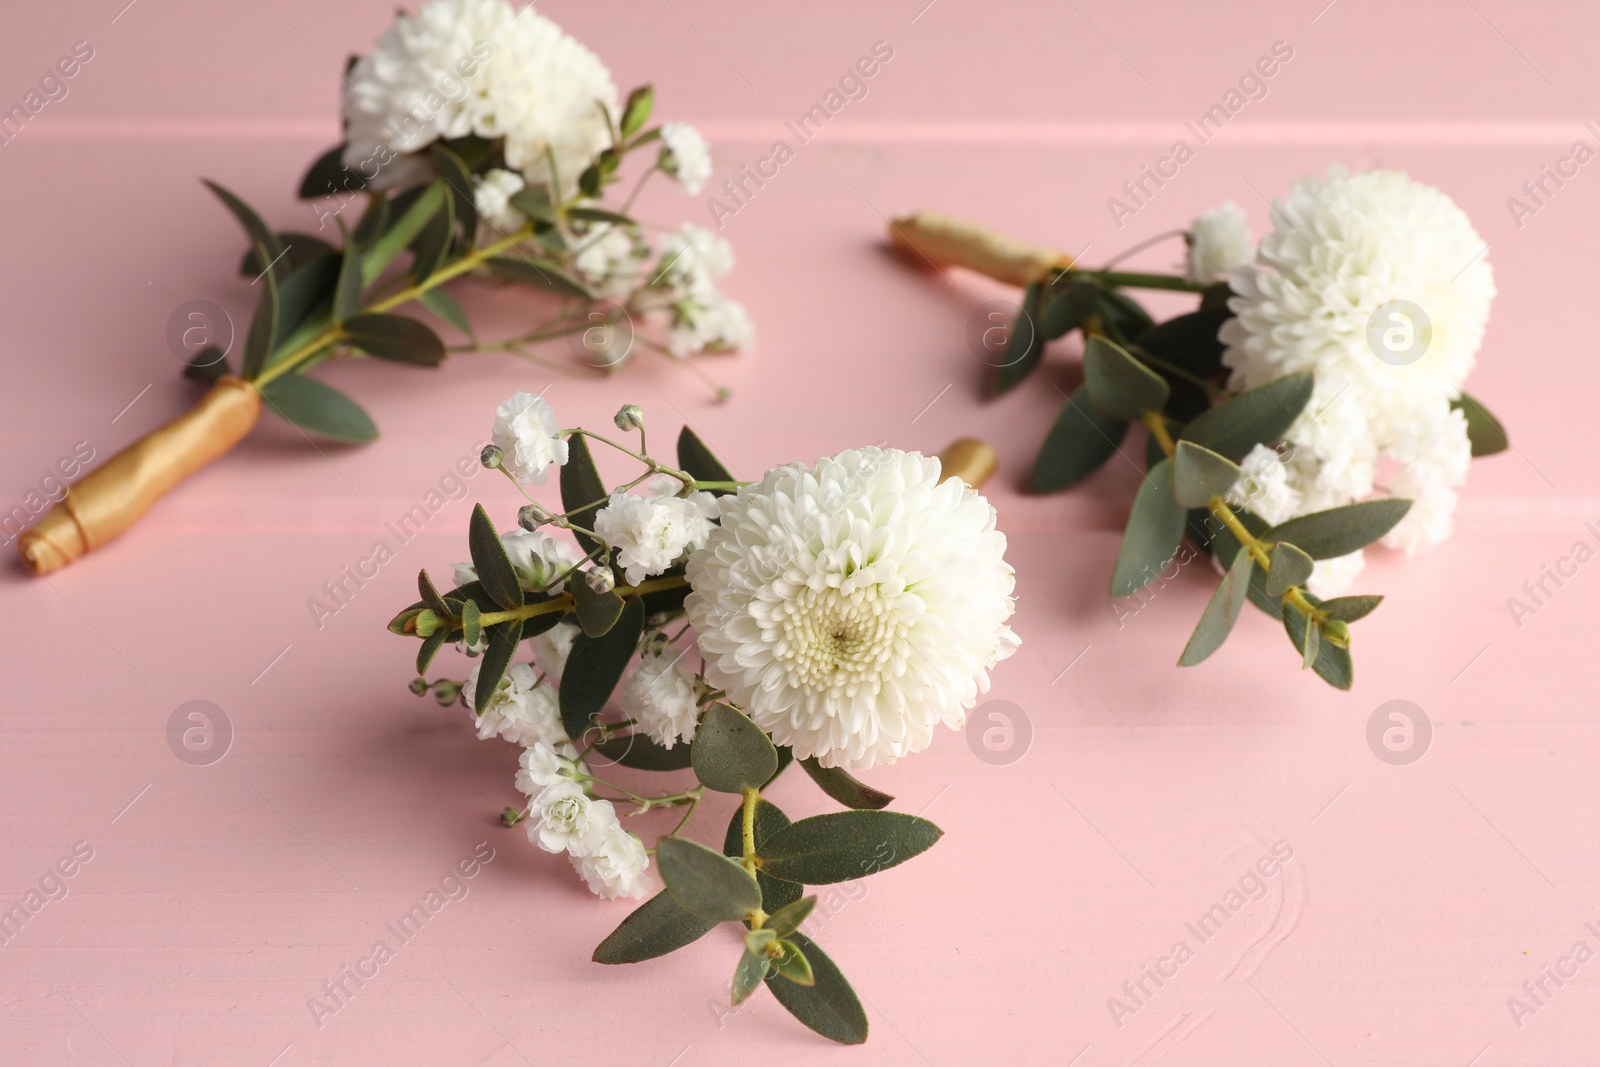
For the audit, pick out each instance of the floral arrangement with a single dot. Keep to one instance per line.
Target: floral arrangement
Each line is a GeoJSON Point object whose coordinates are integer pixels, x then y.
{"type": "Point", "coordinates": [483, 141]}
{"type": "Point", "coordinates": [834, 615]}
{"type": "Point", "coordinates": [1311, 406]}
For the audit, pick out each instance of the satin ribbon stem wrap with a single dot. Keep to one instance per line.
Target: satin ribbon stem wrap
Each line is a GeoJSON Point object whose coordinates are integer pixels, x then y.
{"type": "Point", "coordinates": [111, 499]}
{"type": "Point", "coordinates": [953, 242]}
{"type": "Point", "coordinates": [971, 460]}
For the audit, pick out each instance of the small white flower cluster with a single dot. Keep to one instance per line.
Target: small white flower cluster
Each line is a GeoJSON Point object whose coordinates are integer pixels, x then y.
{"type": "Point", "coordinates": [1344, 247]}
{"type": "Point", "coordinates": [525, 430]}
{"type": "Point", "coordinates": [661, 696]}
{"type": "Point", "coordinates": [1219, 243]}
{"type": "Point", "coordinates": [654, 531]}
{"type": "Point", "coordinates": [685, 156]}
{"type": "Point", "coordinates": [563, 817]}
{"type": "Point", "coordinates": [704, 319]}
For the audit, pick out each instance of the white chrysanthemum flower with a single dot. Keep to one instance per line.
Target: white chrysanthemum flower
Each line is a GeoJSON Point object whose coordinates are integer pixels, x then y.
{"type": "Point", "coordinates": [616, 866]}
{"type": "Point", "coordinates": [460, 67]}
{"type": "Point", "coordinates": [520, 709]}
{"type": "Point", "coordinates": [1219, 242]}
{"type": "Point", "coordinates": [852, 607]}
{"type": "Point", "coordinates": [1351, 260]}
{"type": "Point", "coordinates": [1263, 486]}
{"type": "Point", "coordinates": [542, 766]}
{"type": "Point", "coordinates": [659, 695]}
{"type": "Point", "coordinates": [525, 432]}
{"type": "Point", "coordinates": [685, 156]}
{"type": "Point", "coordinates": [611, 260]}
{"type": "Point", "coordinates": [691, 260]}
{"type": "Point", "coordinates": [1334, 577]}
{"type": "Point", "coordinates": [492, 195]}
{"type": "Point", "coordinates": [537, 558]}
{"type": "Point", "coordinates": [551, 648]}
{"type": "Point", "coordinates": [710, 322]}
{"type": "Point", "coordinates": [653, 531]}
{"type": "Point", "coordinates": [563, 818]}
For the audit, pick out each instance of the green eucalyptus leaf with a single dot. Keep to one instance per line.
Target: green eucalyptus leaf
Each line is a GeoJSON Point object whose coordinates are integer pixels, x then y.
{"type": "Point", "coordinates": [430, 594]}
{"type": "Point", "coordinates": [641, 753]}
{"type": "Point", "coordinates": [1199, 474]}
{"type": "Point", "coordinates": [318, 409]}
{"type": "Point", "coordinates": [298, 250]}
{"type": "Point", "coordinates": [730, 752]}
{"type": "Point", "coordinates": [489, 559]}
{"type": "Point", "coordinates": [787, 919]}
{"type": "Point", "coordinates": [328, 176]}
{"type": "Point", "coordinates": [372, 221]}
{"type": "Point", "coordinates": [447, 308]}
{"type": "Point", "coordinates": [583, 494]}
{"type": "Point", "coordinates": [839, 784]}
{"type": "Point", "coordinates": [845, 845]}
{"type": "Point", "coordinates": [1024, 344]}
{"type": "Point", "coordinates": [457, 177]}
{"type": "Point", "coordinates": [600, 214]}
{"type": "Point", "coordinates": [254, 226]}
{"type": "Point", "coordinates": [793, 965]}
{"type": "Point", "coordinates": [1119, 386]}
{"type": "Point", "coordinates": [347, 287]}
{"type": "Point", "coordinates": [747, 976]}
{"type": "Point", "coordinates": [1287, 567]}
{"type": "Point", "coordinates": [1342, 530]}
{"type": "Point", "coordinates": [1154, 532]}
{"type": "Point", "coordinates": [534, 201]}
{"type": "Point", "coordinates": [304, 291]}
{"type": "Point", "coordinates": [430, 645]}
{"type": "Point", "coordinates": [697, 459]}
{"type": "Point", "coordinates": [543, 274]}
{"type": "Point", "coordinates": [1189, 341]}
{"type": "Point", "coordinates": [1306, 638]}
{"type": "Point", "coordinates": [595, 666]}
{"type": "Point", "coordinates": [654, 928]}
{"type": "Point", "coordinates": [503, 638]}
{"type": "Point", "coordinates": [263, 334]}
{"type": "Point", "coordinates": [1227, 547]}
{"type": "Point", "coordinates": [1079, 442]}
{"type": "Point", "coordinates": [1216, 296]}
{"type": "Point", "coordinates": [1122, 315]}
{"type": "Point", "coordinates": [704, 882]}
{"type": "Point", "coordinates": [396, 338]}
{"type": "Point", "coordinates": [1222, 611]}
{"type": "Point", "coordinates": [421, 208]}
{"type": "Point", "coordinates": [1351, 608]}
{"type": "Point", "coordinates": [829, 1006]}
{"type": "Point", "coordinates": [1258, 416]}
{"type": "Point", "coordinates": [636, 112]}
{"type": "Point", "coordinates": [776, 894]}
{"type": "Point", "coordinates": [432, 246]}
{"type": "Point", "coordinates": [596, 612]}
{"type": "Point", "coordinates": [1485, 432]}
{"type": "Point", "coordinates": [1066, 305]}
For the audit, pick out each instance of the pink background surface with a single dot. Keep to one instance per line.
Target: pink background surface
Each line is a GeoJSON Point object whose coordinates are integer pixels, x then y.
{"type": "Point", "coordinates": [219, 899]}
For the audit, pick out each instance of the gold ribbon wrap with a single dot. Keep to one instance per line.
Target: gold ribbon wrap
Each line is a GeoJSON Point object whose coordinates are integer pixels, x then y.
{"type": "Point", "coordinates": [954, 242]}
{"type": "Point", "coordinates": [109, 500]}
{"type": "Point", "coordinates": [969, 459]}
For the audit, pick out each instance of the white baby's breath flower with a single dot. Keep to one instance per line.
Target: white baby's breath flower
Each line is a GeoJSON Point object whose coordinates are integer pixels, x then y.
{"type": "Point", "coordinates": [616, 866]}
{"type": "Point", "coordinates": [1219, 242]}
{"type": "Point", "coordinates": [520, 709]}
{"type": "Point", "coordinates": [1334, 577]}
{"type": "Point", "coordinates": [659, 695]}
{"type": "Point", "coordinates": [1343, 251]}
{"type": "Point", "coordinates": [525, 432]}
{"type": "Point", "coordinates": [1263, 486]}
{"type": "Point", "coordinates": [709, 322]}
{"type": "Point", "coordinates": [652, 531]}
{"type": "Point", "coordinates": [460, 67]}
{"type": "Point", "coordinates": [551, 648]}
{"type": "Point", "coordinates": [492, 195]}
{"type": "Point", "coordinates": [852, 607]}
{"type": "Point", "coordinates": [612, 259]}
{"type": "Point", "coordinates": [690, 260]}
{"type": "Point", "coordinates": [563, 818]}
{"type": "Point", "coordinates": [537, 558]}
{"type": "Point", "coordinates": [464, 573]}
{"type": "Point", "coordinates": [543, 766]}
{"type": "Point", "coordinates": [685, 156]}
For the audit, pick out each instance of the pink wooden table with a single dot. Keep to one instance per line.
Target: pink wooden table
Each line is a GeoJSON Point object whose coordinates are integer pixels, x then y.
{"type": "Point", "coordinates": [219, 899]}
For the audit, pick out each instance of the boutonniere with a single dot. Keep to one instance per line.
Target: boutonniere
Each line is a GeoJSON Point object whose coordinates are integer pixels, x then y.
{"type": "Point", "coordinates": [1310, 407]}
{"type": "Point", "coordinates": [834, 615]}
{"type": "Point", "coordinates": [482, 144]}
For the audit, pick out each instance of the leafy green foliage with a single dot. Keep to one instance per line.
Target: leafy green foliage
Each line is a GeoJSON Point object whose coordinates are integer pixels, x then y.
{"type": "Point", "coordinates": [596, 612]}
{"type": "Point", "coordinates": [636, 112]}
{"type": "Point", "coordinates": [653, 929]}
{"type": "Point", "coordinates": [845, 845]}
{"type": "Point", "coordinates": [396, 338]}
{"type": "Point", "coordinates": [1342, 530]}
{"type": "Point", "coordinates": [318, 409]}
{"type": "Point", "coordinates": [503, 638]}
{"type": "Point", "coordinates": [1483, 429]}
{"type": "Point", "coordinates": [704, 882]}
{"type": "Point", "coordinates": [697, 459]}
{"type": "Point", "coordinates": [747, 976]}
{"type": "Point", "coordinates": [787, 919]}
{"type": "Point", "coordinates": [595, 666]}
{"type": "Point", "coordinates": [731, 753]}
{"type": "Point", "coordinates": [639, 752]}
{"type": "Point", "coordinates": [776, 894]}
{"type": "Point", "coordinates": [263, 333]}
{"type": "Point", "coordinates": [1119, 386]}
{"type": "Point", "coordinates": [1188, 341]}
{"type": "Point", "coordinates": [1154, 532]}
{"type": "Point", "coordinates": [543, 274]}
{"type": "Point", "coordinates": [328, 176]}
{"type": "Point", "coordinates": [1199, 474]}
{"type": "Point", "coordinates": [583, 494]}
{"type": "Point", "coordinates": [1066, 305]}
{"type": "Point", "coordinates": [1222, 611]}
{"type": "Point", "coordinates": [1257, 416]}
{"type": "Point", "coordinates": [489, 559]}
{"type": "Point", "coordinates": [793, 965]}
{"type": "Point", "coordinates": [829, 1006]}
{"type": "Point", "coordinates": [1024, 344]}
{"type": "Point", "coordinates": [1288, 567]}
{"type": "Point", "coordinates": [1351, 608]}
{"type": "Point", "coordinates": [839, 784]}
{"type": "Point", "coordinates": [1078, 443]}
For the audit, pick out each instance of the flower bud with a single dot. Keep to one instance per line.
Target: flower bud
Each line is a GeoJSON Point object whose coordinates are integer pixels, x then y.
{"type": "Point", "coordinates": [531, 516]}
{"type": "Point", "coordinates": [510, 817]}
{"type": "Point", "coordinates": [419, 686]}
{"type": "Point", "coordinates": [629, 417]}
{"type": "Point", "coordinates": [601, 579]}
{"type": "Point", "coordinates": [490, 457]}
{"type": "Point", "coordinates": [427, 622]}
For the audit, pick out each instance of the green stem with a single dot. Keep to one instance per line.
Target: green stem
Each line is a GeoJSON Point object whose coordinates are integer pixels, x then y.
{"type": "Point", "coordinates": [1138, 280]}
{"type": "Point", "coordinates": [752, 797]}
{"type": "Point", "coordinates": [564, 602]}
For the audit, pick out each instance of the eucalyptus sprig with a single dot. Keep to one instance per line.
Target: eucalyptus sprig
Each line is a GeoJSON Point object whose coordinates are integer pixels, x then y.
{"type": "Point", "coordinates": [759, 877]}
{"type": "Point", "coordinates": [1169, 377]}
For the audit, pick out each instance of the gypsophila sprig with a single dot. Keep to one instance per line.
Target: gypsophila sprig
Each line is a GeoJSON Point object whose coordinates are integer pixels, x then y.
{"type": "Point", "coordinates": [684, 622]}
{"type": "Point", "coordinates": [1340, 344]}
{"type": "Point", "coordinates": [483, 147]}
